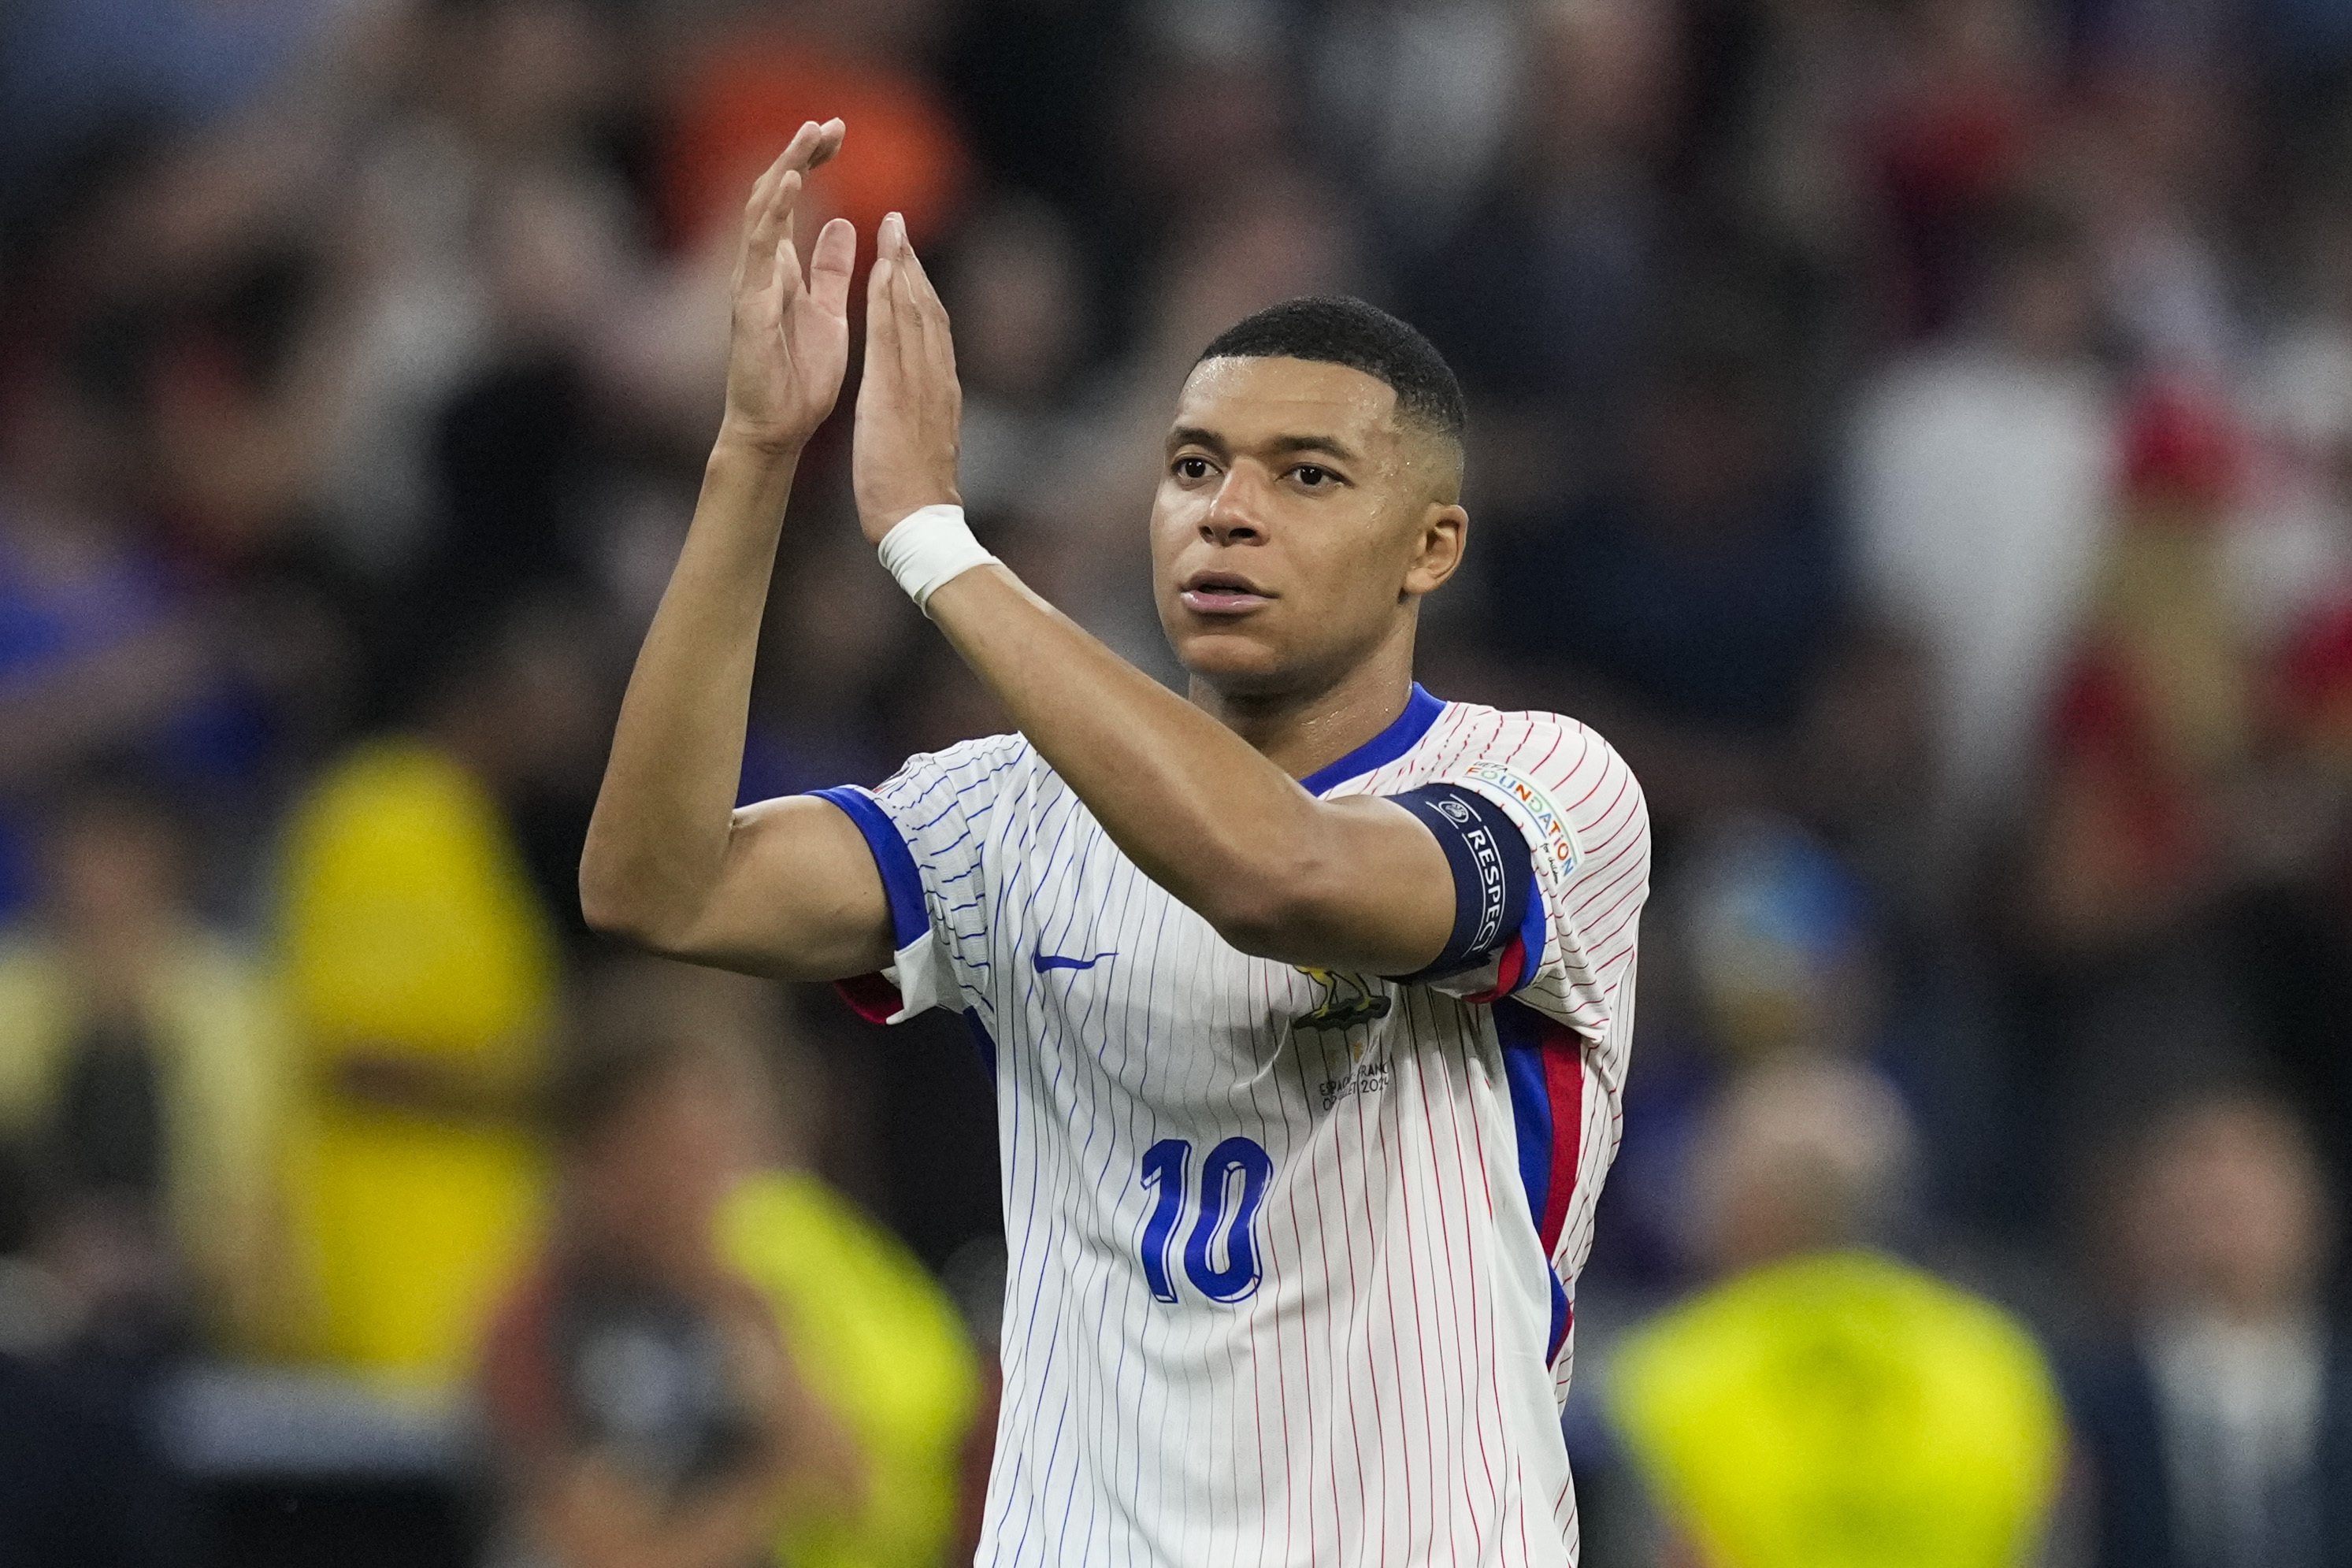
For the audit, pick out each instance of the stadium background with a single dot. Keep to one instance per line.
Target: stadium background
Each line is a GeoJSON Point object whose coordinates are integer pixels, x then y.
{"type": "Point", "coordinates": [1918, 432]}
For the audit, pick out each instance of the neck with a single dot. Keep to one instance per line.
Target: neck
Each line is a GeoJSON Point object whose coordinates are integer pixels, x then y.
{"type": "Point", "coordinates": [1313, 725]}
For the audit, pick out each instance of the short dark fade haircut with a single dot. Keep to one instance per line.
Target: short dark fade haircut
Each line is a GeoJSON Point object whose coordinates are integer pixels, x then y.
{"type": "Point", "coordinates": [1337, 331]}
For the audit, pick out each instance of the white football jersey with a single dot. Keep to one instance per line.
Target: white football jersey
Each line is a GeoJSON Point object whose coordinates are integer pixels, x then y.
{"type": "Point", "coordinates": [1291, 1253]}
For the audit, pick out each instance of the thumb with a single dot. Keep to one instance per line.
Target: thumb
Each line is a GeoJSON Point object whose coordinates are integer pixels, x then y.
{"type": "Point", "coordinates": [831, 261]}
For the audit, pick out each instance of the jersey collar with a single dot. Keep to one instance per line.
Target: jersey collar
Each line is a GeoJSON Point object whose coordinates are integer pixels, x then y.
{"type": "Point", "coordinates": [1404, 733]}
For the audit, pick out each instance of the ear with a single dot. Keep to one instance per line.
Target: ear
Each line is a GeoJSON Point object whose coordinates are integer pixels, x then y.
{"type": "Point", "coordinates": [1443, 532]}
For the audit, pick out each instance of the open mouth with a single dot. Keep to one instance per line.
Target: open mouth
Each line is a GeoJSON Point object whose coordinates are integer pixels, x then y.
{"type": "Point", "coordinates": [1222, 593]}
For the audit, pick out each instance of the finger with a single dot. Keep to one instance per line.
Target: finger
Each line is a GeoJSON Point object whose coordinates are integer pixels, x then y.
{"type": "Point", "coordinates": [755, 207]}
{"type": "Point", "coordinates": [829, 136]}
{"type": "Point", "coordinates": [881, 322]}
{"type": "Point", "coordinates": [802, 151]}
{"type": "Point", "coordinates": [937, 336]}
{"type": "Point", "coordinates": [909, 324]}
{"type": "Point", "coordinates": [763, 189]}
{"type": "Point", "coordinates": [831, 262]}
{"type": "Point", "coordinates": [767, 212]}
{"type": "Point", "coordinates": [928, 329]}
{"type": "Point", "coordinates": [787, 278]}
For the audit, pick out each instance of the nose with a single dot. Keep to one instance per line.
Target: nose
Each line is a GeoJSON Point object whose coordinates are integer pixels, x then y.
{"type": "Point", "coordinates": [1232, 516]}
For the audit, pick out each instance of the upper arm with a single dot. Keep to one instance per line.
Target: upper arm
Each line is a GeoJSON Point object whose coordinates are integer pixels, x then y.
{"type": "Point", "coordinates": [850, 882]}
{"type": "Point", "coordinates": [798, 895]}
{"type": "Point", "coordinates": [1370, 890]}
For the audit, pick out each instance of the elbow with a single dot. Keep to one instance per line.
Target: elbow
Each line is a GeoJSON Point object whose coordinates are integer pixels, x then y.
{"type": "Point", "coordinates": [604, 912]}
{"type": "Point", "coordinates": [612, 907]}
{"type": "Point", "coordinates": [607, 911]}
{"type": "Point", "coordinates": [1268, 913]}
{"type": "Point", "coordinates": [1258, 937]}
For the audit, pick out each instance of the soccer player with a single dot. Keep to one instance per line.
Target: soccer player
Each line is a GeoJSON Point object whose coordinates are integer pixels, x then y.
{"type": "Point", "coordinates": [1307, 1000]}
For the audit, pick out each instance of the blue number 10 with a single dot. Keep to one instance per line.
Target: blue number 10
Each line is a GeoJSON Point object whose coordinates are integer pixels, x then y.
{"type": "Point", "coordinates": [1163, 1171]}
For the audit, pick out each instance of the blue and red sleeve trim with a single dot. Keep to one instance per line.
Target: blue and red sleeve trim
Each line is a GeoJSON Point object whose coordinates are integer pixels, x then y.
{"type": "Point", "coordinates": [871, 996]}
{"type": "Point", "coordinates": [1543, 1065]}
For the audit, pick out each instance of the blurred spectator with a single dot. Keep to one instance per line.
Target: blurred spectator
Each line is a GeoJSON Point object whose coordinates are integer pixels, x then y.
{"type": "Point", "coordinates": [688, 1226]}
{"type": "Point", "coordinates": [1951, 136]}
{"type": "Point", "coordinates": [1773, 950]}
{"type": "Point", "coordinates": [1825, 1405]}
{"type": "Point", "coordinates": [143, 1074]}
{"type": "Point", "coordinates": [2216, 1429]}
{"type": "Point", "coordinates": [883, 1346]}
{"type": "Point", "coordinates": [1019, 298]}
{"type": "Point", "coordinates": [1779, 939]}
{"type": "Point", "coordinates": [2160, 145]}
{"type": "Point", "coordinates": [1542, 293]}
{"type": "Point", "coordinates": [645, 1408]}
{"type": "Point", "coordinates": [70, 69]}
{"type": "Point", "coordinates": [422, 970]}
{"type": "Point", "coordinates": [2154, 719]}
{"type": "Point", "coordinates": [1980, 487]}
{"type": "Point", "coordinates": [1414, 101]}
{"type": "Point", "coordinates": [879, 1341]}
{"type": "Point", "coordinates": [1706, 570]}
{"type": "Point", "coordinates": [2293, 549]}
{"type": "Point", "coordinates": [103, 650]}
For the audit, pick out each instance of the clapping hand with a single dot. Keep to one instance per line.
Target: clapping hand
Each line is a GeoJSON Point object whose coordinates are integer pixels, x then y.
{"type": "Point", "coordinates": [791, 337]}
{"type": "Point", "coordinates": [909, 406]}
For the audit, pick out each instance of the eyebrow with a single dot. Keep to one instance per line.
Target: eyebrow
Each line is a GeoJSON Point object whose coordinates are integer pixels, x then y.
{"type": "Point", "coordinates": [1281, 445]}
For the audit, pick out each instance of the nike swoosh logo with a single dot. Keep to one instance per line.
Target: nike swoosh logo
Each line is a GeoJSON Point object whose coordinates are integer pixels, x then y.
{"type": "Point", "coordinates": [1045, 961]}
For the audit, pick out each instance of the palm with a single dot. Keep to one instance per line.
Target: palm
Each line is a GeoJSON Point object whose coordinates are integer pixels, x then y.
{"type": "Point", "coordinates": [791, 335]}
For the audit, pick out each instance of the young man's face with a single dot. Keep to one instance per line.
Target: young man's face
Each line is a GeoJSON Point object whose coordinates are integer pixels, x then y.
{"type": "Point", "coordinates": [1297, 521]}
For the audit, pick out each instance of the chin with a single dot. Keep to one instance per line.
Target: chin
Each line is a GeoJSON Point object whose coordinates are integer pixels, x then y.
{"type": "Point", "coordinates": [1231, 662]}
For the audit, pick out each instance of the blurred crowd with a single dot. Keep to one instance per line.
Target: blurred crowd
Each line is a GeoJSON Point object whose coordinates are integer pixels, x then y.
{"type": "Point", "coordinates": [1918, 432]}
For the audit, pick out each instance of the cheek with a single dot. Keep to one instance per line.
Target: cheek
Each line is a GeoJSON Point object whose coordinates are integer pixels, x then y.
{"type": "Point", "coordinates": [1356, 564]}
{"type": "Point", "coordinates": [1174, 517]}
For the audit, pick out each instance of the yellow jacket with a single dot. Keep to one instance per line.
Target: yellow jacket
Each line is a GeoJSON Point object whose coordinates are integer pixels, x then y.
{"type": "Point", "coordinates": [875, 1339]}
{"type": "Point", "coordinates": [1842, 1410]}
{"type": "Point", "coordinates": [409, 927]}
{"type": "Point", "coordinates": [219, 1039]}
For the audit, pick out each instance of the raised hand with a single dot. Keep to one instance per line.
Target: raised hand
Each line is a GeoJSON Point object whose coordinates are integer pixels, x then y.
{"type": "Point", "coordinates": [791, 338]}
{"type": "Point", "coordinates": [910, 405]}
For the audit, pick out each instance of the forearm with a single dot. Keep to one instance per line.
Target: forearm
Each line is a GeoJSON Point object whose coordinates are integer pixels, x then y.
{"type": "Point", "coordinates": [658, 842]}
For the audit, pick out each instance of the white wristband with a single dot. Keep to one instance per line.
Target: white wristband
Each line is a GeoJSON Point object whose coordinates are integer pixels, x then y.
{"type": "Point", "coordinates": [928, 546]}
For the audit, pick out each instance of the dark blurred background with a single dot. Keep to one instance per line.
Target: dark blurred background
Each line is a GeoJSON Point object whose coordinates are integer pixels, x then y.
{"type": "Point", "coordinates": [1918, 432]}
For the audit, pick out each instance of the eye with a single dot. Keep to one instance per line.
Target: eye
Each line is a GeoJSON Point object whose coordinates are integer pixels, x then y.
{"type": "Point", "coordinates": [1190, 468]}
{"type": "Point", "coordinates": [1314, 477]}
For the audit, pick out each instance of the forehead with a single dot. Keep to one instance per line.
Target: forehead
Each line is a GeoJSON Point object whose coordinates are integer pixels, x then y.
{"type": "Point", "coordinates": [1246, 400]}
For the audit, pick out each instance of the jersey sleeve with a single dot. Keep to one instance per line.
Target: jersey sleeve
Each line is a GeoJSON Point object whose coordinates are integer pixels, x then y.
{"type": "Point", "coordinates": [1577, 805]}
{"type": "Point", "coordinates": [928, 827]}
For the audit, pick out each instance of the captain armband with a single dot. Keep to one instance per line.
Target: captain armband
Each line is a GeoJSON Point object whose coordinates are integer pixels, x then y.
{"type": "Point", "coordinates": [1494, 874]}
